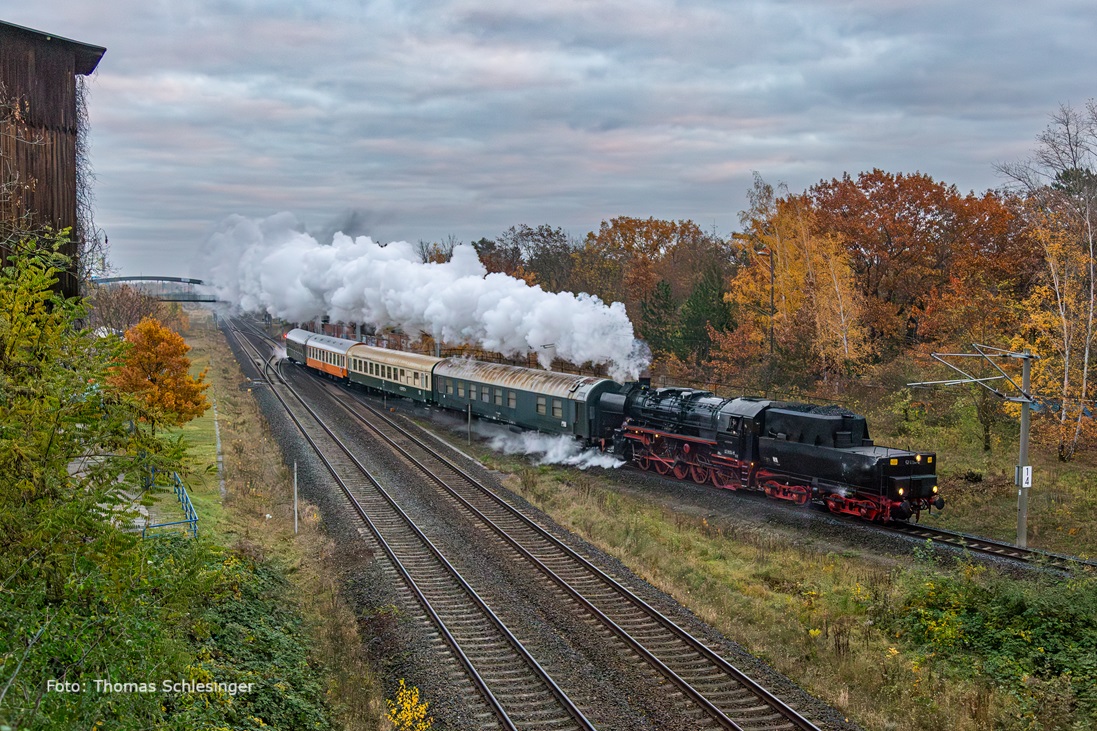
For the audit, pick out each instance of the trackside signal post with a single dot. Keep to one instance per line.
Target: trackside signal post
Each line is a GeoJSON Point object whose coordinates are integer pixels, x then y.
{"type": "Point", "coordinates": [1022, 476]}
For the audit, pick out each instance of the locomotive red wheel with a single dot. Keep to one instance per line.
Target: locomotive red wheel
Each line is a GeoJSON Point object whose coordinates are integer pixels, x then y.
{"type": "Point", "coordinates": [699, 474]}
{"type": "Point", "coordinates": [660, 466]}
{"type": "Point", "coordinates": [681, 469]}
{"type": "Point", "coordinates": [867, 512]}
{"type": "Point", "coordinates": [644, 462]}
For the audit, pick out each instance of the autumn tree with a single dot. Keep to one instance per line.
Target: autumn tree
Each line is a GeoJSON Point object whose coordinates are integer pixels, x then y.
{"type": "Point", "coordinates": [155, 368]}
{"type": "Point", "coordinates": [69, 451]}
{"type": "Point", "coordinates": [502, 257]}
{"type": "Point", "coordinates": [1059, 182]}
{"type": "Point", "coordinates": [436, 251]}
{"type": "Point", "coordinates": [901, 232]}
{"type": "Point", "coordinates": [628, 258]}
{"type": "Point", "coordinates": [798, 283]}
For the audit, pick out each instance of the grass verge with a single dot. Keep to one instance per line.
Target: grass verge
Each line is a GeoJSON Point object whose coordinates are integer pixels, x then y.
{"type": "Point", "coordinates": [875, 637]}
{"type": "Point", "coordinates": [256, 516]}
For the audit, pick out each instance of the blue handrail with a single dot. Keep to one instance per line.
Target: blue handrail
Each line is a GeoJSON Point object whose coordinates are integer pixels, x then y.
{"type": "Point", "coordinates": [184, 501]}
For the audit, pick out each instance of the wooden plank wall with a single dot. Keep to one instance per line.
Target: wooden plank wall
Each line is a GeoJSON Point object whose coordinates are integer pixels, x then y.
{"type": "Point", "coordinates": [38, 148]}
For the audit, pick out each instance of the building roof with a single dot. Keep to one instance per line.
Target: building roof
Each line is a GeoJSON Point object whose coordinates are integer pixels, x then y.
{"type": "Point", "coordinates": [86, 55]}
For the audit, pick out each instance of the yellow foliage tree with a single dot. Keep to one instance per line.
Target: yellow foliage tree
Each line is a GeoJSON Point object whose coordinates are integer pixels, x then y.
{"type": "Point", "coordinates": [1061, 325]}
{"type": "Point", "coordinates": [156, 369]}
{"type": "Point", "coordinates": [817, 308]}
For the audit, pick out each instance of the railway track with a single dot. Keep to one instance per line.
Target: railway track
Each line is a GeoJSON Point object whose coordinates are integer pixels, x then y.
{"type": "Point", "coordinates": [520, 694]}
{"type": "Point", "coordinates": [992, 547]}
{"type": "Point", "coordinates": [711, 689]}
{"type": "Point", "coordinates": [704, 687]}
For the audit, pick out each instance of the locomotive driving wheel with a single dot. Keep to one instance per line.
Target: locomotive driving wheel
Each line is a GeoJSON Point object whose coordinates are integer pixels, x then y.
{"type": "Point", "coordinates": [681, 469]}
{"type": "Point", "coordinates": [699, 473]}
{"type": "Point", "coordinates": [663, 455]}
{"type": "Point", "coordinates": [724, 478]}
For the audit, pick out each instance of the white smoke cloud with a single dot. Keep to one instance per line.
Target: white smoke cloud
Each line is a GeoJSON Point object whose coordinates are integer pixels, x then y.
{"type": "Point", "coordinates": [271, 265]}
{"type": "Point", "coordinates": [547, 448]}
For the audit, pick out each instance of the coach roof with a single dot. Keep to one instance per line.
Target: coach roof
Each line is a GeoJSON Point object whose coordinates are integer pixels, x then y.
{"type": "Point", "coordinates": [397, 358]}
{"type": "Point", "coordinates": [549, 383]}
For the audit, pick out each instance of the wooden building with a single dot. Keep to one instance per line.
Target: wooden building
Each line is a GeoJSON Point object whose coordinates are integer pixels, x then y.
{"type": "Point", "coordinates": [39, 131]}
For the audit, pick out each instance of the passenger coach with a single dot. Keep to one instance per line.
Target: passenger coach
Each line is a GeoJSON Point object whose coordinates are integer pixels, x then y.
{"type": "Point", "coordinates": [557, 403]}
{"type": "Point", "coordinates": [394, 371]}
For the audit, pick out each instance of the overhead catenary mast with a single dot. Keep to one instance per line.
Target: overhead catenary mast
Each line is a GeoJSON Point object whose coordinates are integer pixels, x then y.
{"type": "Point", "coordinates": [1022, 476]}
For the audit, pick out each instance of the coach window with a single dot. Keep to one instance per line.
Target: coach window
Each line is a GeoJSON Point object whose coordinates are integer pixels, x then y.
{"type": "Point", "coordinates": [461, 389]}
{"type": "Point", "coordinates": [498, 397]}
{"type": "Point", "coordinates": [512, 400]}
{"type": "Point", "coordinates": [557, 408]}
{"type": "Point", "coordinates": [449, 386]}
{"type": "Point", "coordinates": [486, 395]}
{"type": "Point", "coordinates": [415, 378]}
{"type": "Point", "coordinates": [541, 405]}
{"type": "Point", "coordinates": [403, 378]}
{"type": "Point", "coordinates": [472, 392]}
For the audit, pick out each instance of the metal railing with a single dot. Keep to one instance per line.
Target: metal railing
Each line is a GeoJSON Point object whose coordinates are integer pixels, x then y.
{"type": "Point", "coordinates": [191, 514]}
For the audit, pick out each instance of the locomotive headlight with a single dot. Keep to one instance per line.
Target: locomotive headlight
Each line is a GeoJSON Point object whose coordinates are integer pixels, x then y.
{"type": "Point", "coordinates": [934, 489]}
{"type": "Point", "coordinates": [918, 458]}
{"type": "Point", "coordinates": [900, 492]}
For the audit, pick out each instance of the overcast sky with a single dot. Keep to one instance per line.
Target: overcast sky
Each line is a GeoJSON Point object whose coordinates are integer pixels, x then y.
{"type": "Point", "coordinates": [418, 119]}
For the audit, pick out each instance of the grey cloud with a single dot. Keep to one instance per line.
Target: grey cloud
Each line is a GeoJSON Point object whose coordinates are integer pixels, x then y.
{"type": "Point", "coordinates": [465, 116]}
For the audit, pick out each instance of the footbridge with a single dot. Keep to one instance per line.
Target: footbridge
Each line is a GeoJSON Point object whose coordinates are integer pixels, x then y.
{"type": "Point", "coordinates": [165, 289]}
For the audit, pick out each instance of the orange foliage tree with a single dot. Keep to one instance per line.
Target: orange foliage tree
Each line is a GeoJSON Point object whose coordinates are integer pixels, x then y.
{"type": "Point", "coordinates": [155, 369]}
{"type": "Point", "coordinates": [902, 232]}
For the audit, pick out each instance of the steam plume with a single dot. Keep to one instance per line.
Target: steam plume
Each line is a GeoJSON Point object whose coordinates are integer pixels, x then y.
{"type": "Point", "coordinates": [271, 265]}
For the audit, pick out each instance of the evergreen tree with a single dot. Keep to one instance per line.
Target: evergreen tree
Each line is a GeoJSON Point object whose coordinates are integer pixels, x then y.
{"type": "Point", "coordinates": [659, 320]}
{"type": "Point", "coordinates": [705, 306]}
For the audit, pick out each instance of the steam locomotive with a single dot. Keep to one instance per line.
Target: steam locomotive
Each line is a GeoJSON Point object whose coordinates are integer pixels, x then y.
{"type": "Point", "coordinates": [790, 451]}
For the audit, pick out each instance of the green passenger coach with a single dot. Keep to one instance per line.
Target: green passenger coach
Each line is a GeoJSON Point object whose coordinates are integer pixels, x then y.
{"type": "Point", "coordinates": [555, 403]}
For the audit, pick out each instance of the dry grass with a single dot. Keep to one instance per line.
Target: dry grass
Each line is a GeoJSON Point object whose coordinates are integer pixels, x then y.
{"type": "Point", "coordinates": [809, 613]}
{"type": "Point", "coordinates": [256, 516]}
